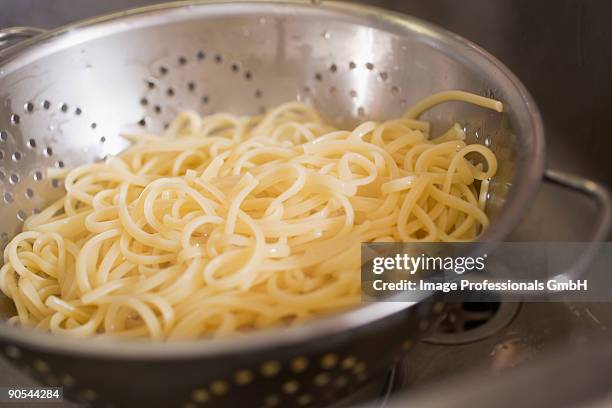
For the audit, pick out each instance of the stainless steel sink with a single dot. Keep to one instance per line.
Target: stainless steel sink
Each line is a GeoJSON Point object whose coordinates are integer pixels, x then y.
{"type": "Point", "coordinates": [561, 51]}
{"type": "Point", "coordinates": [484, 343]}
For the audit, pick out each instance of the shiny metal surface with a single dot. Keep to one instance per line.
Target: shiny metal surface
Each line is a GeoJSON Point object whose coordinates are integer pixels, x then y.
{"type": "Point", "coordinates": [245, 59]}
{"type": "Point", "coordinates": [558, 48]}
{"type": "Point", "coordinates": [537, 329]}
{"type": "Point", "coordinates": [17, 34]}
{"type": "Point", "coordinates": [352, 63]}
{"type": "Point", "coordinates": [560, 51]}
{"type": "Point", "coordinates": [574, 376]}
{"type": "Point", "coordinates": [601, 196]}
{"type": "Point", "coordinates": [602, 227]}
{"type": "Point", "coordinates": [481, 372]}
{"type": "Point", "coordinates": [507, 28]}
{"type": "Point", "coordinates": [241, 57]}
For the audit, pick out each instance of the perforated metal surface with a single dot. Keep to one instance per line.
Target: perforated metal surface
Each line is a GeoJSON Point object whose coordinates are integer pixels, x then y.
{"type": "Point", "coordinates": [67, 101]}
{"type": "Point", "coordinates": [68, 96]}
{"type": "Point", "coordinates": [26, 152]}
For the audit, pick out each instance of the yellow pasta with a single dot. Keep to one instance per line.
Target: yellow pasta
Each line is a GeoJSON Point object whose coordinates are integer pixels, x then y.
{"type": "Point", "coordinates": [226, 224]}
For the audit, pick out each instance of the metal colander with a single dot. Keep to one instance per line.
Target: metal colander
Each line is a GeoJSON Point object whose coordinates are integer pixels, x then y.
{"type": "Point", "coordinates": [67, 95]}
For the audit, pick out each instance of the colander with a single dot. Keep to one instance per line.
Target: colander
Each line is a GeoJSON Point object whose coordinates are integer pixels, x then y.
{"type": "Point", "coordinates": [67, 95]}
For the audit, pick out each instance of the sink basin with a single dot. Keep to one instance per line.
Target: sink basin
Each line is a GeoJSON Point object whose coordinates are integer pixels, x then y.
{"type": "Point", "coordinates": [489, 341]}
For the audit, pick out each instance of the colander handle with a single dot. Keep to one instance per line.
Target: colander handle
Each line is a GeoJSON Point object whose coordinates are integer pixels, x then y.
{"type": "Point", "coordinates": [12, 34]}
{"type": "Point", "coordinates": [593, 190]}
{"type": "Point", "coordinates": [601, 196]}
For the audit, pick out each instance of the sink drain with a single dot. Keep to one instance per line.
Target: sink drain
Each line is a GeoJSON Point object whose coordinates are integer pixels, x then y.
{"type": "Point", "coordinates": [468, 322]}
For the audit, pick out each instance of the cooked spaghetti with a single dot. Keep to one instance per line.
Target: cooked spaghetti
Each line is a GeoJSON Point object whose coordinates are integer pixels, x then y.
{"type": "Point", "coordinates": [226, 224]}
